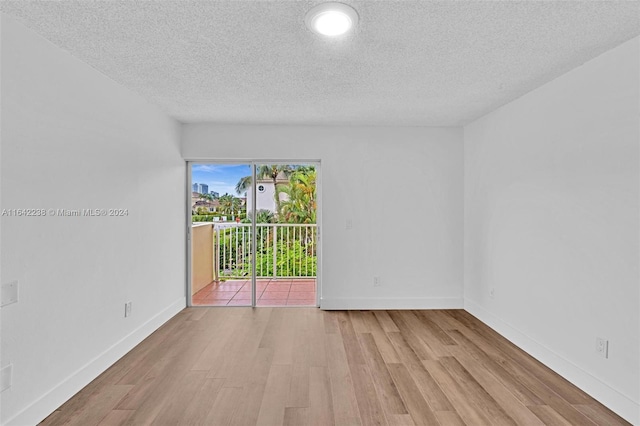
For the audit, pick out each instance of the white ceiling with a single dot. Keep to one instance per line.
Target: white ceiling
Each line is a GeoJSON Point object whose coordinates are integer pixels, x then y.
{"type": "Point", "coordinates": [427, 63]}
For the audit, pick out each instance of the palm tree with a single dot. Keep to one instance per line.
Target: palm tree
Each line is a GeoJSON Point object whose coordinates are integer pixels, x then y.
{"type": "Point", "coordinates": [230, 205]}
{"type": "Point", "coordinates": [243, 185]}
{"type": "Point", "coordinates": [226, 203]}
{"type": "Point", "coordinates": [236, 206]}
{"type": "Point", "coordinates": [262, 216]}
{"type": "Point", "coordinates": [207, 197]}
{"type": "Point", "coordinates": [300, 205]}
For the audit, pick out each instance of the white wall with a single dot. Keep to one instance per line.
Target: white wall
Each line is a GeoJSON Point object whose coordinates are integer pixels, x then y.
{"type": "Point", "coordinates": [371, 176]}
{"type": "Point", "coordinates": [72, 138]}
{"type": "Point", "coordinates": [1, 204]}
{"type": "Point", "coordinates": [551, 223]}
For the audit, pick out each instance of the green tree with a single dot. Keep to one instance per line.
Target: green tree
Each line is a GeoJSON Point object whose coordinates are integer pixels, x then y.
{"type": "Point", "coordinates": [300, 204]}
{"type": "Point", "coordinates": [230, 205]}
{"type": "Point", "coordinates": [262, 216]}
{"type": "Point", "coordinates": [243, 185]}
{"type": "Point", "coordinates": [207, 197]}
{"type": "Point", "coordinates": [236, 206]}
{"type": "Point", "coordinates": [226, 203]}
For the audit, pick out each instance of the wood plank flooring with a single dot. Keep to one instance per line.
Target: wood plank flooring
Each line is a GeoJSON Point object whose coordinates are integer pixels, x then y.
{"type": "Point", "coordinates": [304, 366]}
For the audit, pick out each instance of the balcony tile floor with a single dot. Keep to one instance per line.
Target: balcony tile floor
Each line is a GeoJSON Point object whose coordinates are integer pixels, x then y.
{"type": "Point", "coordinates": [269, 292]}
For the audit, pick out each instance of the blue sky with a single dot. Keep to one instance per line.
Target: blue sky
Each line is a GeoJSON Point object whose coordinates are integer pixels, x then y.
{"type": "Point", "coordinates": [221, 178]}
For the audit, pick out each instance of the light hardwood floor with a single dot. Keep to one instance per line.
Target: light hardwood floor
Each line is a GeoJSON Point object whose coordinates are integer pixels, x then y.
{"type": "Point", "coordinates": [304, 366]}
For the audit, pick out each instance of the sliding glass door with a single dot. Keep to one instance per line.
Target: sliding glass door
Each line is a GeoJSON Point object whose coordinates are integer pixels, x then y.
{"type": "Point", "coordinates": [253, 234]}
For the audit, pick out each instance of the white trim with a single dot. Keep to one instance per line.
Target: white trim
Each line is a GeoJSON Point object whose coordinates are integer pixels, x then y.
{"type": "Point", "coordinates": [391, 303]}
{"type": "Point", "coordinates": [188, 232]}
{"type": "Point", "coordinates": [254, 230]}
{"type": "Point", "coordinates": [54, 398]}
{"type": "Point", "coordinates": [613, 399]}
{"type": "Point", "coordinates": [318, 166]}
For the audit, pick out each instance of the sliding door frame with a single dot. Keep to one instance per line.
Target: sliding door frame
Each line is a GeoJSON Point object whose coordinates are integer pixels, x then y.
{"type": "Point", "coordinates": [253, 163]}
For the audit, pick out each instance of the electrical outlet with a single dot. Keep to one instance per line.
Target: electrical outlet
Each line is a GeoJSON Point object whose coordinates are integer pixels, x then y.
{"type": "Point", "coordinates": [376, 281]}
{"type": "Point", "coordinates": [127, 309]}
{"type": "Point", "coordinates": [9, 293]}
{"type": "Point", "coordinates": [602, 347]}
{"type": "Point", "coordinates": [492, 292]}
{"type": "Point", "coordinates": [5, 377]}
{"type": "Point", "coordinates": [349, 224]}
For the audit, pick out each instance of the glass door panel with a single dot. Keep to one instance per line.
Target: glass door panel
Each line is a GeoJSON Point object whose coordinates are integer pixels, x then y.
{"type": "Point", "coordinates": [221, 235]}
{"type": "Point", "coordinates": [286, 234]}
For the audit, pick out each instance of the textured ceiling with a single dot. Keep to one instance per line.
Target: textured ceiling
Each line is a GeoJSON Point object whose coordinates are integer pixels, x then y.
{"type": "Point", "coordinates": [408, 63]}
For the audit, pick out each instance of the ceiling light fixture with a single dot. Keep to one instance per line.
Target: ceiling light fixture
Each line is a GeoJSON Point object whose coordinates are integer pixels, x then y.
{"type": "Point", "coordinates": [331, 19]}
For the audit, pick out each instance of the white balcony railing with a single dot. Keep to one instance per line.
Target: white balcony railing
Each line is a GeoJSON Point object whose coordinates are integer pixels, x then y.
{"type": "Point", "coordinates": [282, 250]}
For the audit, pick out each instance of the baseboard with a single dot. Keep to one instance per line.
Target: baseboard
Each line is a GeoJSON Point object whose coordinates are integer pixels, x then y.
{"type": "Point", "coordinates": [46, 404]}
{"type": "Point", "coordinates": [616, 401]}
{"type": "Point", "coordinates": [339, 304]}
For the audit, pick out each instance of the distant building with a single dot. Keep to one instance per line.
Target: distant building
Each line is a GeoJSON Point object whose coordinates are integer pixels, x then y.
{"type": "Point", "coordinates": [210, 206]}
{"type": "Point", "coordinates": [203, 188]}
{"type": "Point", "coordinates": [197, 201]}
{"type": "Point", "coordinates": [265, 194]}
{"type": "Point", "coordinates": [215, 194]}
{"type": "Point", "coordinates": [194, 187]}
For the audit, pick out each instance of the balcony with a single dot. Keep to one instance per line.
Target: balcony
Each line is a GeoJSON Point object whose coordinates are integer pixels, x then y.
{"type": "Point", "coordinates": [285, 266]}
